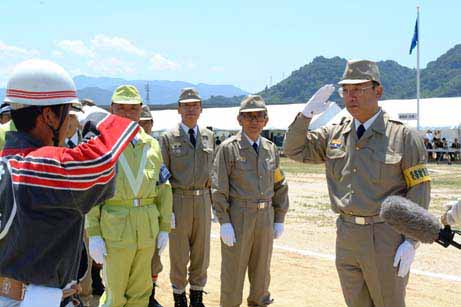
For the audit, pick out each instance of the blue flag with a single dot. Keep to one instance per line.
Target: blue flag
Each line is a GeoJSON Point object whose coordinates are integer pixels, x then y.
{"type": "Point", "coordinates": [415, 39]}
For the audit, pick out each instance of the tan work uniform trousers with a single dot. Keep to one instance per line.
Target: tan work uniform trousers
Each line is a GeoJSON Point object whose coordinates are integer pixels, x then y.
{"type": "Point", "coordinates": [364, 260]}
{"type": "Point", "coordinates": [190, 240]}
{"type": "Point", "coordinates": [253, 228]}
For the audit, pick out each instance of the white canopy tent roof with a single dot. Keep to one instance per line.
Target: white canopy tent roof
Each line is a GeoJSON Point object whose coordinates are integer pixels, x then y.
{"type": "Point", "coordinates": [280, 117]}
{"type": "Point", "coordinates": [435, 113]}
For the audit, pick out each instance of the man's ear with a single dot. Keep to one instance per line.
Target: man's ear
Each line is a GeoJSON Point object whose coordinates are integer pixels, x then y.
{"type": "Point", "coordinates": [379, 91]}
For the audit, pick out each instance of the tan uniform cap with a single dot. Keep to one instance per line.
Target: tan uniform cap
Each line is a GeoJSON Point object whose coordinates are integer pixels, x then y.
{"type": "Point", "coordinates": [145, 113]}
{"type": "Point", "coordinates": [252, 103]}
{"type": "Point", "coordinates": [126, 94]}
{"type": "Point", "coordinates": [360, 71]}
{"type": "Point", "coordinates": [189, 95]}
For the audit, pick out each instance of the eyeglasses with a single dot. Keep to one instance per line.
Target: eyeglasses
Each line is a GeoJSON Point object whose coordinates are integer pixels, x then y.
{"type": "Point", "coordinates": [251, 117]}
{"type": "Point", "coordinates": [358, 92]}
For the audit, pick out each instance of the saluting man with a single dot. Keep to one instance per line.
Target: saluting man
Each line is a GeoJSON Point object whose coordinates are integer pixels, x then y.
{"type": "Point", "coordinates": [250, 196]}
{"type": "Point", "coordinates": [368, 157]}
{"type": "Point", "coordinates": [188, 153]}
{"type": "Point", "coordinates": [123, 230]}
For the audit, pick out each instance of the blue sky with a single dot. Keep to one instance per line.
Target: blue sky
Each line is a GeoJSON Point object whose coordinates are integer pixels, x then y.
{"type": "Point", "coordinates": [236, 42]}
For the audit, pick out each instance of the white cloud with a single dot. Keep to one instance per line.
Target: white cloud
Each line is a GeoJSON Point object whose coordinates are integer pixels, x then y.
{"type": "Point", "coordinates": [111, 66]}
{"type": "Point", "coordinates": [159, 62]}
{"type": "Point", "coordinates": [57, 53]}
{"type": "Point", "coordinates": [13, 51]}
{"type": "Point", "coordinates": [76, 47]}
{"type": "Point", "coordinates": [102, 41]}
{"type": "Point", "coordinates": [217, 69]}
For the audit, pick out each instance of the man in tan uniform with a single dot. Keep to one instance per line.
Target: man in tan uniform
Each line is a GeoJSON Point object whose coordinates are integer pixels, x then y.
{"type": "Point", "coordinates": [188, 153]}
{"type": "Point", "coordinates": [368, 157]}
{"type": "Point", "coordinates": [250, 196]}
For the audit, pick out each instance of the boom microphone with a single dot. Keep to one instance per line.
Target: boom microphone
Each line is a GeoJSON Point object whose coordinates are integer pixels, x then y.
{"type": "Point", "coordinates": [415, 222]}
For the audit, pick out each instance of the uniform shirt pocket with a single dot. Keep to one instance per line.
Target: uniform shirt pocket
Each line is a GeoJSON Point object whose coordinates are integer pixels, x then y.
{"type": "Point", "coordinates": [335, 163]}
{"type": "Point", "coordinates": [388, 168]}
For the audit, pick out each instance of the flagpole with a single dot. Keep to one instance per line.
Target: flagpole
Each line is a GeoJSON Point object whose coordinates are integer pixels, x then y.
{"type": "Point", "coordinates": [417, 70]}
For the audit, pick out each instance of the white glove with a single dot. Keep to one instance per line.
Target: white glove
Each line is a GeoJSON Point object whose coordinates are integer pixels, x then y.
{"type": "Point", "coordinates": [228, 234]}
{"type": "Point", "coordinates": [97, 249]}
{"type": "Point", "coordinates": [173, 221]}
{"type": "Point", "coordinates": [41, 296]}
{"type": "Point", "coordinates": [162, 241]}
{"type": "Point", "coordinates": [278, 230]}
{"type": "Point", "coordinates": [214, 217]}
{"type": "Point", "coordinates": [452, 216]}
{"type": "Point", "coordinates": [405, 255]}
{"type": "Point", "coordinates": [319, 101]}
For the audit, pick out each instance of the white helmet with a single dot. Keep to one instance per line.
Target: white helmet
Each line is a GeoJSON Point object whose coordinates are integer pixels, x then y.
{"type": "Point", "coordinates": [39, 83]}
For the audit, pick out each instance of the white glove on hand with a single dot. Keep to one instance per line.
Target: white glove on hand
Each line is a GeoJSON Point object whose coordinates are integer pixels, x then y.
{"type": "Point", "coordinates": [278, 230]}
{"type": "Point", "coordinates": [319, 101]}
{"type": "Point", "coordinates": [405, 255]}
{"type": "Point", "coordinates": [452, 216]}
{"type": "Point", "coordinates": [173, 221]}
{"type": "Point", "coordinates": [97, 249]}
{"type": "Point", "coordinates": [228, 234]}
{"type": "Point", "coordinates": [41, 296]}
{"type": "Point", "coordinates": [162, 241]}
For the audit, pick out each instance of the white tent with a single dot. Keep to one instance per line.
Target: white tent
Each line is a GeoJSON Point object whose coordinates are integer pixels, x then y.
{"type": "Point", "coordinates": [435, 113]}
{"type": "Point", "coordinates": [280, 117]}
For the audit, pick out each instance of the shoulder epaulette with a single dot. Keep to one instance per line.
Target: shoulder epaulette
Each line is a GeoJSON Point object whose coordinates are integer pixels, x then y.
{"type": "Point", "coordinates": [396, 121]}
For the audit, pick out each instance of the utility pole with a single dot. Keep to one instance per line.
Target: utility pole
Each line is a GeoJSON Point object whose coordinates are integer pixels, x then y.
{"type": "Point", "coordinates": [147, 93]}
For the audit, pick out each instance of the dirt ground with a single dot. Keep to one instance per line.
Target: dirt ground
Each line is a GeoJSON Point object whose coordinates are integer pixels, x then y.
{"type": "Point", "coordinates": [303, 271]}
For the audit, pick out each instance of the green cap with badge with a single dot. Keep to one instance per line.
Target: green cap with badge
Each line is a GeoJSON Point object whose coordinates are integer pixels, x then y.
{"type": "Point", "coordinates": [189, 95]}
{"type": "Point", "coordinates": [252, 103]}
{"type": "Point", "coordinates": [126, 94]}
{"type": "Point", "coordinates": [360, 71]}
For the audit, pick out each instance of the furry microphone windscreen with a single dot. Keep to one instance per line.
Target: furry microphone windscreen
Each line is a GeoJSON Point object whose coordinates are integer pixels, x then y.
{"type": "Point", "coordinates": [410, 219]}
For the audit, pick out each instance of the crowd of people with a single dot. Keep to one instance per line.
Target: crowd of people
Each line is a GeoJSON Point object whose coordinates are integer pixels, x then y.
{"type": "Point", "coordinates": [82, 186]}
{"type": "Point", "coordinates": [440, 148]}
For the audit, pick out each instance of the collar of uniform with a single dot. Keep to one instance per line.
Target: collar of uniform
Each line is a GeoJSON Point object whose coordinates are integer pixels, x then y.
{"type": "Point", "coordinates": [368, 123]}
{"type": "Point", "coordinates": [140, 137]}
{"type": "Point", "coordinates": [379, 125]}
{"type": "Point", "coordinates": [186, 129]}
{"type": "Point", "coordinates": [22, 140]}
{"type": "Point", "coordinates": [258, 141]}
{"type": "Point", "coordinates": [243, 143]}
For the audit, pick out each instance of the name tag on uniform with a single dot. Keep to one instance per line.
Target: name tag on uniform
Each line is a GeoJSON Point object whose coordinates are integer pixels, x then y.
{"type": "Point", "coordinates": [336, 143]}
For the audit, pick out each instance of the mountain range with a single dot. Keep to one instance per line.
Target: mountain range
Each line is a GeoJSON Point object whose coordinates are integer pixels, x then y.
{"type": "Point", "coordinates": [440, 78]}
{"type": "Point", "coordinates": [100, 89]}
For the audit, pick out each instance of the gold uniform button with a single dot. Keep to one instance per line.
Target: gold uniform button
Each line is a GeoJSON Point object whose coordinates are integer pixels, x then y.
{"type": "Point", "coordinates": [352, 191]}
{"type": "Point", "coordinates": [354, 170]}
{"type": "Point", "coordinates": [357, 148]}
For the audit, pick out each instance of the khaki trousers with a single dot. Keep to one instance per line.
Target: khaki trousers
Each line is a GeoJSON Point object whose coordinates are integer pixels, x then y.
{"type": "Point", "coordinates": [190, 240]}
{"type": "Point", "coordinates": [364, 261]}
{"type": "Point", "coordinates": [254, 234]}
